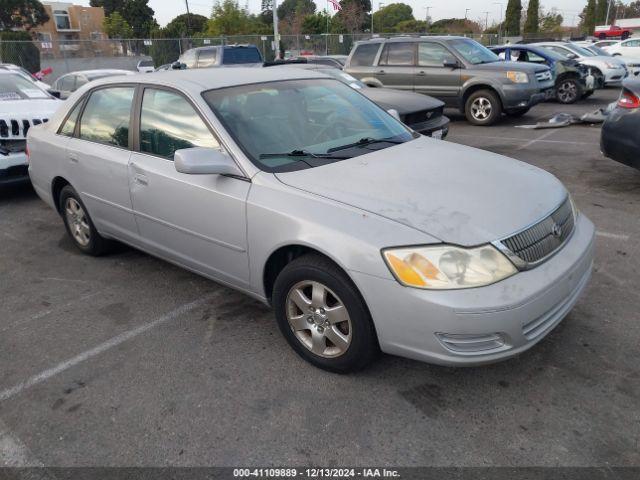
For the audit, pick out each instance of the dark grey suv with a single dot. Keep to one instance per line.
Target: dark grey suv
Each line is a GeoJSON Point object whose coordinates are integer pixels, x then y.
{"type": "Point", "coordinates": [459, 71]}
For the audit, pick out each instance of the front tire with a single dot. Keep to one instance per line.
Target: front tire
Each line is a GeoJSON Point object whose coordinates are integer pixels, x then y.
{"type": "Point", "coordinates": [79, 224]}
{"type": "Point", "coordinates": [568, 91]}
{"type": "Point", "coordinates": [483, 108]}
{"type": "Point", "coordinates": [322, 315]}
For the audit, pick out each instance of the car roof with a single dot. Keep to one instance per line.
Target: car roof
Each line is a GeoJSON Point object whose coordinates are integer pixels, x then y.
{"type": "Point", "coordinates": [198, 80]}
{"type": "Point", "coordinates": [101, 71]}
{"type": "Point", "coordinates": [435, 38]}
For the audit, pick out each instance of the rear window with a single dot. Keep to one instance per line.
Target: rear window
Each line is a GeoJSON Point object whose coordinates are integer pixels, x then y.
{"type": "Point", "coordinates": [238, 55]}
{"type": "Point", "coordinates": [207, 58]}
{"type": "Point", "coordinates": [146, 63]}
{"type": "Point", "coordinates": [365, 55]}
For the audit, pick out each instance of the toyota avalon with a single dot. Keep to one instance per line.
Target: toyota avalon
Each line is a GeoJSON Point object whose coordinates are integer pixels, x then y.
{"type": "Point", "coordinates": [296, 189]}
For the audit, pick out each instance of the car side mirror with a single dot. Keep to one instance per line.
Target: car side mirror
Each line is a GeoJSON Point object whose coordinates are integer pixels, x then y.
{"type": "Point", "coordinates": [205, 161]}
{"type": "Point", "coordinates": [572, 56]}
{"type": "Point", "coordinates": [394, 113]}
{"type": "Point", "coordinates": [178, 66]}
{"type": "Point", "coordinates": [56, 93]}
{"type": "Point", "coordinates": [451, 63]}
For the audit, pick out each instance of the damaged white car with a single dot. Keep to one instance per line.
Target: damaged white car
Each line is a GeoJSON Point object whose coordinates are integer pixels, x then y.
{"type": "Point", "coordinates": [23, 105]}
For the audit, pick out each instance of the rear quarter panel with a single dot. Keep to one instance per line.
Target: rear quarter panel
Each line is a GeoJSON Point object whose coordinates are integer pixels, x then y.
{"type": "Point", "coordinates": [47, 154]}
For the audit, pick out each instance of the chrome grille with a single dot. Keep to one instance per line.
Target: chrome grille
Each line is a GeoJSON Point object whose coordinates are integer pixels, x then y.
{"type": "Point", "coordinates": [12, 128]}
{"type": "Point", "coordinates": [542, 239]}
{"type": "Point", "coordinates": [543, 76]}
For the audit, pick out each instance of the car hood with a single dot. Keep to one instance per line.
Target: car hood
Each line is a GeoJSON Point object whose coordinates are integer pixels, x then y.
{"type": "Point", "coordinates": [40, 108]}
{"type": "Point", "coordinates": [458, 194]}
{"type": "Point", "coordinates": [503, 66]}
{"type": "Point", "coordinates": [403, 102]}
{"type": "Point", "coordinates": [599, 60]}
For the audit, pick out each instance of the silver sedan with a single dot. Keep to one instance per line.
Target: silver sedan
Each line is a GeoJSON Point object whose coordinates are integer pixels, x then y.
{"type": "Point", "coordinates": [297, 190]}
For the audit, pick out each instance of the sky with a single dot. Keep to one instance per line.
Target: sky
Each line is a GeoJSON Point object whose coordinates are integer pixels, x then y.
{"type": "Point", "coordinates": [168, 9]}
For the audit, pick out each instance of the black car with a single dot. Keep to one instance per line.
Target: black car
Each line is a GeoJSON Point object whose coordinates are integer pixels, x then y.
{"type": "Point", "coordinates": [620, 140]}
{"type": "Point", "coordinates": [422, 113]}
{"type": "Point", "coordinates": [572, 80]}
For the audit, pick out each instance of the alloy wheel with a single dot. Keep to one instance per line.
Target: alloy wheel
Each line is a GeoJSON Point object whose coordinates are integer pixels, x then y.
{"type": "Point", "coordinates": [319, 319]}
{"type": "Point", "coordinates": [567, 92]}
{"type": "Point", "coordinates": [77, 221]}
{"type": "Point", "coordinates": [481, 108]}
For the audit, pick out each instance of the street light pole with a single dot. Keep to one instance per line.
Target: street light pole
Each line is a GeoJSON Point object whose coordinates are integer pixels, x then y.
{"type": "Point", "coordinates": [465, 12]}
{"type": "Point", "coordinates": [426, 18]}
{"type": "Point", "coordinates": [276, 37]}
{"type": "Point", "coordinates": [188, 19]}
{"type": "Point", "coordinates": [486, 21]}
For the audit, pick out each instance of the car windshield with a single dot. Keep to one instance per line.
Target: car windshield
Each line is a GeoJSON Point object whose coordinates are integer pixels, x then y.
{"type": "Point", "coordinates": [296, 124]}
{"type": "Point", "coordinates": [581, 51]}
{"type": "Point", "coordinates": [343, 77]}
{"type": "Point", "coordinates": [13, 86]}
{"type": "Point", "coordinates": [473, 52]}
{"type": "Point", "coordinates": [599, 51]}
{"type": "Point", "coordinates": [146, 63]}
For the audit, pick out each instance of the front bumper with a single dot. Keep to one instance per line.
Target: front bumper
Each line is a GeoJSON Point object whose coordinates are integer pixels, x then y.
{"type": "Point", "coordinates": [517, 97]}
{"type": "Point", "coordinates": [13, 169]}
{"type": "Point", "coordinates": [614, 76]}
{"type": "Point", "coordinates": [441, 123]}
{"type": "Point", "coordinates": [481, 325]}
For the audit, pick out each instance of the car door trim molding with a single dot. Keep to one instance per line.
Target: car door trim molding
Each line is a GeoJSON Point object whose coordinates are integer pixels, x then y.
{"type": "Point", "coordinates": [230, 246]}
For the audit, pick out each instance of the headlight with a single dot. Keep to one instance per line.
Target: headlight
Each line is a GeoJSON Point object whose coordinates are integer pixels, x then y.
{"type": "Point", "coordinates": [442, 267]}
{"type": "Point", "coordinates": [613, 65]}
{"type": "Point", "coordinates": [518, 77]}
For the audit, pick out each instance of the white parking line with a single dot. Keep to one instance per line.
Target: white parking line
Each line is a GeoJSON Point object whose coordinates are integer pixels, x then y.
{"type": "Point", "coordinates": [535, 140]}
{"type": "Point", "coordinates": [516, 139]}
{"type": "Point", "coordinates": [614, 236]}
{"type": "Point", "coordinates": [14, 453]}
{"type": "Point", "coordinates": [103, 347]}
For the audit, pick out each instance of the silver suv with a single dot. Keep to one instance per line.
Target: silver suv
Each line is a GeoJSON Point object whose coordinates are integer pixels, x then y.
{"type": "Point", "coordinates": [459, 71]}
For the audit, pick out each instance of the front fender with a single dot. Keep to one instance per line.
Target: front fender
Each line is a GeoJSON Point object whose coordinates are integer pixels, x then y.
{"type": "Point", "coordinates": [476, 83]}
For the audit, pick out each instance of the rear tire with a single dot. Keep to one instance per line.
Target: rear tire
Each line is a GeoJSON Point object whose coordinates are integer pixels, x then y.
{"type": "Point", "coordinates": [483, 108]}
{"type": "Point", "coordinates": [323, 316]}
{"type": "Point", "coordinates": [79, 224]}
{"type": "Point", "coordinates": [568, 91]}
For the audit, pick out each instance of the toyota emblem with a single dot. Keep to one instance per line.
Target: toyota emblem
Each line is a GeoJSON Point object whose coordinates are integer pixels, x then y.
{"type": "Point", "coordinates": [556, 230]}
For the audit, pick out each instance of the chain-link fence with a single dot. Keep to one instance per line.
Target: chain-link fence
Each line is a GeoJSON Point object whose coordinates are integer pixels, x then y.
{"type": "Point", "coordinates": [66, 56]}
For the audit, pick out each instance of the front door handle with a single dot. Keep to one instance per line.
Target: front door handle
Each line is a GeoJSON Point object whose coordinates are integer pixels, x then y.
{"type": "Point", "coordinates": [422, 73]}
{"type": "Point", "coordinates": [73, 157]}
{"type": "Point", "coordinates": [141, 179]}
{"type": "Point", "coordinates": [380, 72]}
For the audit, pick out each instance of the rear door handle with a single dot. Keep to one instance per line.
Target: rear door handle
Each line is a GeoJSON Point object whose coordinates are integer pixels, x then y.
{"type": "Point", "coordinates": [422, 74]}
{"type": "Point", "coordinates": [380, 72]}
{"type": "Point", "coordinates": [141, 179]}
{"type": "Point", "coordinates": [73, 157]}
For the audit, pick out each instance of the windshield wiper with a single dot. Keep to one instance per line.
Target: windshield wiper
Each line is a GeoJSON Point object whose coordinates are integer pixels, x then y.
{"type": "Point", "coordinates": [303, 153]}
{"type": "Point", "coordinates": [363, 142]}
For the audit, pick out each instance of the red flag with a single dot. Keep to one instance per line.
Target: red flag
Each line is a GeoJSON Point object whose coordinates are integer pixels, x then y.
{"type": "Point", "coordinates": [336, 4]}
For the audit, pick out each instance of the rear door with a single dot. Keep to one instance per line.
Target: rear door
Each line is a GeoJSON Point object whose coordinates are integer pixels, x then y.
{"type": "Point", "coordinates": [98, 158]}
{"type": "Point", "coordinates": [397, 65]}
{"type": "Point", "coordinates": [630, 48]}
{"type": "Point", "coordinates": [432, 77]}
{"type": "Point", "coordinates": [196, 220]}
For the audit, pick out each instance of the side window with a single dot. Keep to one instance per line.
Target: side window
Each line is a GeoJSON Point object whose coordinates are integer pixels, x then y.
{"type": "Point", "coordinates": [365, 55]}
{"type": "Point", "coordinates": [67, 83]}
{"type": "Point", "coordinates": [80, 82]}
{"type": "Point", "coordinates": [207, 58]}
{"type": "Point", "coordinates": [432, 55]}
{"type": "Point", "coordinates": [536, 58]}
{"type": "Point", "coordinates": [162, 134]}
{"type": "Point", "coordinates": [69, 126]}
{"type": "Point", "coordinates": [400, 54]}
{"type": "Point", "coordinates": [632, 43]}
{"type": "Point", "coordinates": [106, 116]}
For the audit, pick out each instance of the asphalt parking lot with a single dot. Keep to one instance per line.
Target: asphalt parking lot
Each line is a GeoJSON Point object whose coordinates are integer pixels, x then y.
{"type": "Point", "coordinates": [128, 360]}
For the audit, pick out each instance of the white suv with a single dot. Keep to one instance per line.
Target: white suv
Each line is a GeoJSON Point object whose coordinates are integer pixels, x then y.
{"type": "Point", "coordinates": [23, 105]}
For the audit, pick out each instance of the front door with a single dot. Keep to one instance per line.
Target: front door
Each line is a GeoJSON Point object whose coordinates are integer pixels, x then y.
{"type": "Point", "coordinates": [433, 78]}
{"type": "Point", "coordinates": [197, 220]}
{"type": "Point", "coordinates": [396, 66]}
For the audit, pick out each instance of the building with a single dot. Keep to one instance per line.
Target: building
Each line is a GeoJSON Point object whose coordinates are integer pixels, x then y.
{"type": "Point", "coordinates": [72, 30]}
{"type": "Point", "coordinates": [632, 24]}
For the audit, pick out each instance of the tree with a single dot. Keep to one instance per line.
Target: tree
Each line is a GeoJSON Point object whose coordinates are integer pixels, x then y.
{"type": "Point", "coordinates": [227, 18]}
{"type": "Point", "coordinates": [353, 16]}
{"type": "Point", "coordinates": [589, 18]}
{"type": "Point", "coordinates": [109, 6]}
{"type": "Point", "coordinates": [551, 22]}
{"type": "Point", "coordinates": [512, 18]}
{"type": "Point", "coordinates": [601, 12]}
{"type": "Point", "coordinates": [455, 26]}
{"type": "Point", "coordinates": [177, 27]}
{"type": "Point", "coordinates": [387, 18]}
{"type": "Point", "coordinates": [532, 24]}
{"type": "Point", "coordinates": [291, 8]}
{"type": "Point", "coordinates": [115, 26]}
{"type": "Point", "coordinates": [140, 16]}
{"type": "Point", "coordinates": [22, 14]}
{"type": "Point", "coordinates": [316, 23]}
{"type": "Point", "coordinates": [411, 26]}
